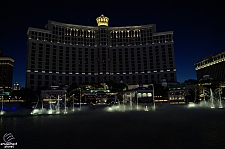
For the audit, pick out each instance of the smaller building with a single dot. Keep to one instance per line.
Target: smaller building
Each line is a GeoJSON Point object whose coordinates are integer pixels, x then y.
{"type": "Point", "coordinates": [50, 98]}
{"type": "Point", "coordinates": [100, 97]}
{"type": "Point", "coordinates": [177, 95]}
{"type": "Point", "coordinates": [6, 72]}
{"type": "Point", "coordinates": [16, 86]}
{"type": "Point", "coordinates": [140, 95]}
{"type": "Point", "coordinates": [7, 103]}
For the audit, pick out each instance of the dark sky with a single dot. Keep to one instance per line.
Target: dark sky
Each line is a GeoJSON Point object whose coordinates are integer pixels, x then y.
{"type": "Point", "coordinates": [198, 25]}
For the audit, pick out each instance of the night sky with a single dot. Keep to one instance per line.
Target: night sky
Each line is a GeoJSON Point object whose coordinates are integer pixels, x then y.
{"type": "Point", "coordinates": [199, 26]}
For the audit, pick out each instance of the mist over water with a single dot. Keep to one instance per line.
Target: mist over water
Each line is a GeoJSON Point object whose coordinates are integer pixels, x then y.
{"type": "Point", "coordinates": [168, 126]}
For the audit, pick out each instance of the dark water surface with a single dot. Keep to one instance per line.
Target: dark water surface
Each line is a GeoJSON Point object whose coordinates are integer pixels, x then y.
{"type": "Point", "coordinates": [170, 126]}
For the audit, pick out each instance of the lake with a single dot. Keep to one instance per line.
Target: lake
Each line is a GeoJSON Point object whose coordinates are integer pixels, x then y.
{"type": "Point", "coordinates": [169, 126]}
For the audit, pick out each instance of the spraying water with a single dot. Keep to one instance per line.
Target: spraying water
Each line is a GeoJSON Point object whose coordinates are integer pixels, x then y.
{"type": "Point", "coordinates": [220, 103]}
{"type": "Point", "coordinates": [2, 112]}
{"type": "Point", "coordinates": [212, 99]}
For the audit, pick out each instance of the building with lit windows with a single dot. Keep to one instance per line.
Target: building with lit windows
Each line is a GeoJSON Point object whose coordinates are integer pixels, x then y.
{"type": "Point", "coordinates": [6, 72]}
{"type": "Point", "coordinates": [213, 66]}
{"type": "Point", "coordinates": [66, 53]}
{"type": "Point", "coordinates": [16, 86]}
{"type": "Point", "coordinates": [177, 95]}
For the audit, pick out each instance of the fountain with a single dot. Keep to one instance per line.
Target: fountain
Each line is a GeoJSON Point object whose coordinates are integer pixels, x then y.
{"type": "Point", "coordinates": [218, 93]}
{"type": "Point", "coordinates": [57, 107]}
{"type": "Point", "coordinates": [220, 103]}
{"type": "Point", "coordinates": [2, 112]}
{"type": "Point", "coordinates": [204, 96]}
{"type": "Point", "coordinates": [132, 103]}
{"type": "Point", "coordinates": [65, 111]}
{"type": "Point", "coordinates": [146, 108]}
{"type": "Point", "coordinates": [211, 99]}
{"type": "Point", "coordinates": [73, 103]}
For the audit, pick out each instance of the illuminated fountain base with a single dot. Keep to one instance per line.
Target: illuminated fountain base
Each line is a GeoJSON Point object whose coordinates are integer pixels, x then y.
{"type": "Point", "coordinates": [2, 112]}
{"type": "Point", "coordinates": [204, 104]}
{"type": "Point", "coordinates": [57, 111]}
{"type": "Point", "coordinates": [44, 111]}
{"type": "Point", "coordinates": [65, 112]}
{"type": "Point", "coordinates": [35, 111]}
{"type": "Point", "coordinates": [53, 111]}
{"type": "Point", "coordinates": [123, 108]}
{"type": "Point", "coordinates": [39, 111]}
{"type": "Point", "coordinates": [146, 108]}
{"type": "Point", "coordinates": [220, 107]}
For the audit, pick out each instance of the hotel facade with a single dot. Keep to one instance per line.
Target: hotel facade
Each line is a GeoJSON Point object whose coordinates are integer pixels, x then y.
{"type": "Point", "coordinates": [66, 53]}
{"type": "Point", "coordinates": [213, 66]}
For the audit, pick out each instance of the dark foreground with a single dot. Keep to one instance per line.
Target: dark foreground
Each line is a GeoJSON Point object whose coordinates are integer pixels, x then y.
{"type": "Point", "coordinates": [170, 126]}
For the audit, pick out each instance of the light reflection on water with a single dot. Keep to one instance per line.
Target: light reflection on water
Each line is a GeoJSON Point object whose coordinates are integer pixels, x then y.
{"type": "Point", "coordinates": [167, 127]}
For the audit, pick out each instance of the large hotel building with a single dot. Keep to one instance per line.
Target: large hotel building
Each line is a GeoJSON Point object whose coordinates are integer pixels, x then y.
{"type": "Point", "coordinates": [213, 66]}
{"type": "Point", "coordinates": [66, 53]}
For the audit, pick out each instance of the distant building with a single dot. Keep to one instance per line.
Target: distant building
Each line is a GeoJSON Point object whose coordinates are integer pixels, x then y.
{"type": "Point", "coordinates": [6, 72]}
{"type": "Point", "coordinates": [212, 66]}
{"type": "Point", "coordinates": [177, 95]}
{"type": "Point", "coordinates": [48, 95]}
{"type": "Point", "coordinates": [16, 86]}
{"type": "Point", "coordinates": [66, 53]}
{"type": "Point", "coordinates": [100, 97]}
